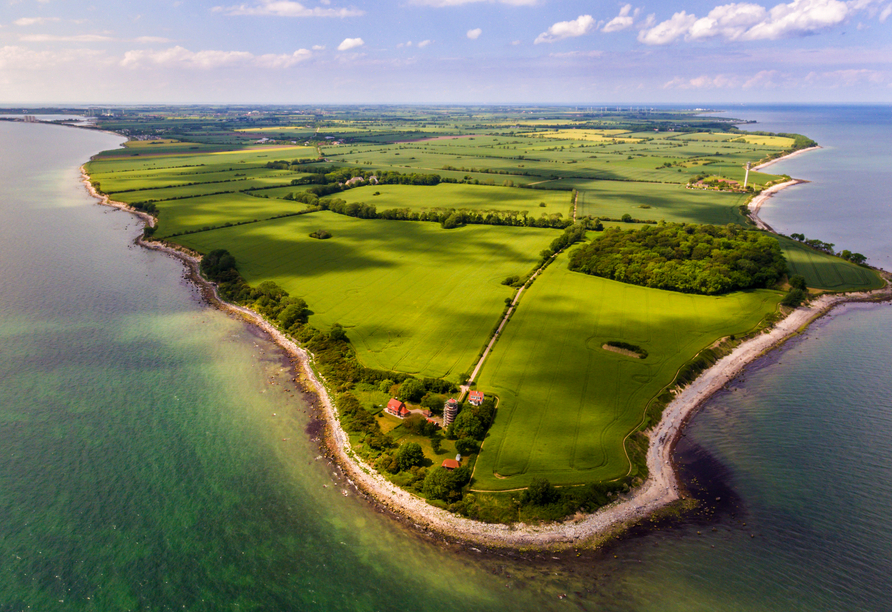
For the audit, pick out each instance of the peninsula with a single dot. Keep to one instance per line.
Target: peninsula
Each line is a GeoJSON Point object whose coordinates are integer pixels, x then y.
{"type": "Point", "coordinates": [507, 314]}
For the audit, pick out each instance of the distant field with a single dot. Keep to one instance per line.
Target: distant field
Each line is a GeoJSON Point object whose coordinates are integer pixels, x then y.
{"type": "Point", "coordinates": [586, 135]}
{"type": "Point", "coordinates": [567, 404]}
{"type": "Point", "coordinates": [823, 271]}
{"type": "Point", "coordinates": [412, 296]}
{"type": "Point", "coordinates": [450, 195]}
{"type": "Point", "coordinates": [613, 199]}
{"type": "Point", "coordinates": [781, 142]}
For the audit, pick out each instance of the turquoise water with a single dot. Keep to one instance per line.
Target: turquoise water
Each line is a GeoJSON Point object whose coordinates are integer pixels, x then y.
{"type": "Point", "coordinates": [142, 466]}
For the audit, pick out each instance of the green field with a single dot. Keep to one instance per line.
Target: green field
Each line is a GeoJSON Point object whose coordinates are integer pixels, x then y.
{"type": "Point", "coordinates": [566, 403]}
{"type": "Point", "coordinates": [823, 271]}
{"type": "Point", "coordinates": [613, 199]}
{"type": "Point", "coordinates": [413, 297]}
{"type": "Point", "coordinates": [474, 197]}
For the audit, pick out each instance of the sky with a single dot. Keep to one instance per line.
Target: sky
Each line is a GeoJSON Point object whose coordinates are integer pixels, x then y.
{"type": "Point", "coordinates": [444, 52]}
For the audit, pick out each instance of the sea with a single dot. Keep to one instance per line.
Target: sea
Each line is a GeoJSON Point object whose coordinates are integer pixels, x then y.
{"type": "Point", "coordinates": [156, 454]}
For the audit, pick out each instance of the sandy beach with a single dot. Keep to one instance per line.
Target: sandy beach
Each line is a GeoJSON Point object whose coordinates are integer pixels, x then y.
{"type": "Point", "coordinates": [661, 488]}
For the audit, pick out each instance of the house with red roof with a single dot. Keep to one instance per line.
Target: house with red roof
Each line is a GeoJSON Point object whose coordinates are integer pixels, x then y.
{"type": "Point", "coordinates": [397, 408]}
{"type": "Point", "coordinates": [475, 397]}
{"type": "Point", "coordinates": [450, 464]}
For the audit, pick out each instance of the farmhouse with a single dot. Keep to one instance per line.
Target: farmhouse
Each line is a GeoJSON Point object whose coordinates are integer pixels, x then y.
{"type": "Point", "coordinates": [397, 408]}
{"type": "Point", "coordinates": [450, 464]}
{"type": "Point", "coordinates": [475, 397]}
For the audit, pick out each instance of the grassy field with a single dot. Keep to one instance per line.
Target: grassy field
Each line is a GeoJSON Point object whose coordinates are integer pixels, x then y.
{"type": "Point", "coordinates": [655, 201]}
{"type": "Point", "coordinates": [566, 403]}
{"type": "Point", "coordinates": [413, 297]}
{"type": "Point", "coordinates": [474, 197]}
{"type": "Point", "coordinates": [823, 271]}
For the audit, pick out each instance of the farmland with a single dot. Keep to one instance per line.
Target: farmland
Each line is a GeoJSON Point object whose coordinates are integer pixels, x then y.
{"type": "Point", "coordinates": [413, 297]}
{"type": "Point", "coordinates": [389, 299]}
{"type": "Point", "coordinates": [567, 404]}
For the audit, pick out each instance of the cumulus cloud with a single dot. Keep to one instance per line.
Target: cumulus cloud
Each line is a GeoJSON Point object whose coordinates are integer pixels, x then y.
{"type": "Point", "coordinates": [205, 60]}
{"type": "Point", "coordinates": [318, 47]}
{"type": "Point", "coordinates": [885, 14]}
{"type": "Point", "coordinates": [667, 31]}
{"type": "Point", "coordinates": [748, 21]}
{"type": "Point", "coordinates": [350, 43]}
{"type": "Point", "coordinates": [475, 33]}
{"type": "Point", "coordinates": [624, 20]}
{"type": "Point", "coordinates": [286, 8]}
{"type": "Point", "coordinates": [567, 29]}
{"type": "Point", "coordinates": [424, 43]}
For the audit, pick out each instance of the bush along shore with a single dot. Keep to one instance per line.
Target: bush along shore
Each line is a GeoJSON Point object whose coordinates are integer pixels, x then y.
{"type": "Point", "coordinates": [332, 371]}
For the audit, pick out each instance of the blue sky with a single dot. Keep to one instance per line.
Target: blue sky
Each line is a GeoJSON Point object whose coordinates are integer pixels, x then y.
{"type": "Point", "coordinates": [444, 51]}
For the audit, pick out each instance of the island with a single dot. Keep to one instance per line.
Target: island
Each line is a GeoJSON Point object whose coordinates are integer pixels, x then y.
{"type": "Point", "coordinates": [507, 313]}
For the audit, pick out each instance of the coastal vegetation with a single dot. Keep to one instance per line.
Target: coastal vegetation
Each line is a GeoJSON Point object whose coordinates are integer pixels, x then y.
{"type": "Point", "coordinates": [435, 220]}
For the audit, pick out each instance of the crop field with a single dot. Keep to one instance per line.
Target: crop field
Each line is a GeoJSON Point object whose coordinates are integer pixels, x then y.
{"type": "Point", "coordinates": [566, 403]}
{"type": "Point", "coordinates": [823, 271]}
{"type": "Point", "coordinates": [190, 214]}
{"type": "Point", "coordinates": [413, 297]}
{"type": "Point", "coordinates": [585, 135]}
{"type": "Point", "coordinates": [655, 201]}
{"type": "Point", "coordinates": [474, 197]}
{"type": "Point", "coordinates": [770, 141]}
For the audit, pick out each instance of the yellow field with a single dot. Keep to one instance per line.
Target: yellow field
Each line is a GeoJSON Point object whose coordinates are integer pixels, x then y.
{"type": "Point", "coordinates": [586, 135]}
{"type": "Point", "coordinates": [768, 141]}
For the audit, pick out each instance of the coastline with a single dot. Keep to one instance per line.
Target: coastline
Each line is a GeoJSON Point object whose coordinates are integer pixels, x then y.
{"type": "Point", "coordinates": [771, 162]}
{"type": "Point", "coordinates": [661, 488]}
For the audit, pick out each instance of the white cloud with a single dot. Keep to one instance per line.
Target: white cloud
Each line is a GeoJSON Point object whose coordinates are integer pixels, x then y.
{"type": "Point", "coordinates": [27, 21]}
{"type": "Point", "coordinates": [624, 20]}
{"type": "Point", "coordinates": [730, 21]}
{"type": "Point", "coordinates": [885, 14]}
{"type": "Point", "coordinates": [799, 17]}
{"type": "Point", "coordinates": [72, 38]}
{"type": "Point", "coordinates": [578, 54]}
{"type": "Point", "coordinates": [350, 43]}
{"type": "Point", "coordinates": [204, 60]}
{"type": "Point", "coordinates": [286, 8]}
{"type": "Point", "coordinates": [567, 29]}
{"type": "Point", "coordinates": [151, 39]}
{"type": "Point", "coordinates": [475, 33]}
{"type": "Point", "coordinates": [667, 31]}
{"type": "Point", "coordinates": [747, 21]}
{"type": "Point", "coordinates": [22, 58]}
{"type": "Point", "coordinates": [318, 47]}
{"type": "Point", "coordinates": [720, 81]}
{"type": "Point", "coordinates": [424, 43]}
{"type": "Point", "coordinates": [443, 3]}
{"type": "Point", "coordinates": [764, 79]}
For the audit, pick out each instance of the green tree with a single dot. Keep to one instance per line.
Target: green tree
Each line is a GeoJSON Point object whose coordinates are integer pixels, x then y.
{"type": "Point", "coordinates": [296, 312]}
{"type": "Point", "coordinates": [411, 390]}
{"type": "Point", "coordinates": [540, 493]}
{"type": "Point", "coordinates": [409, 455]}
{"type": "Point", "coordinates": [385, 385]}
{"type": "Point", "coordinates": [797, 281]}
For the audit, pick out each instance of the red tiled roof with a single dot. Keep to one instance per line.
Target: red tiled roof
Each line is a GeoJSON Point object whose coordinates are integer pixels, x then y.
{"type": "Point", "coordinates": [395, 404]}
{"type": "Point", "coordinates": [450, 464]}
{"type": "Point", "coordinates": [476, 395]}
